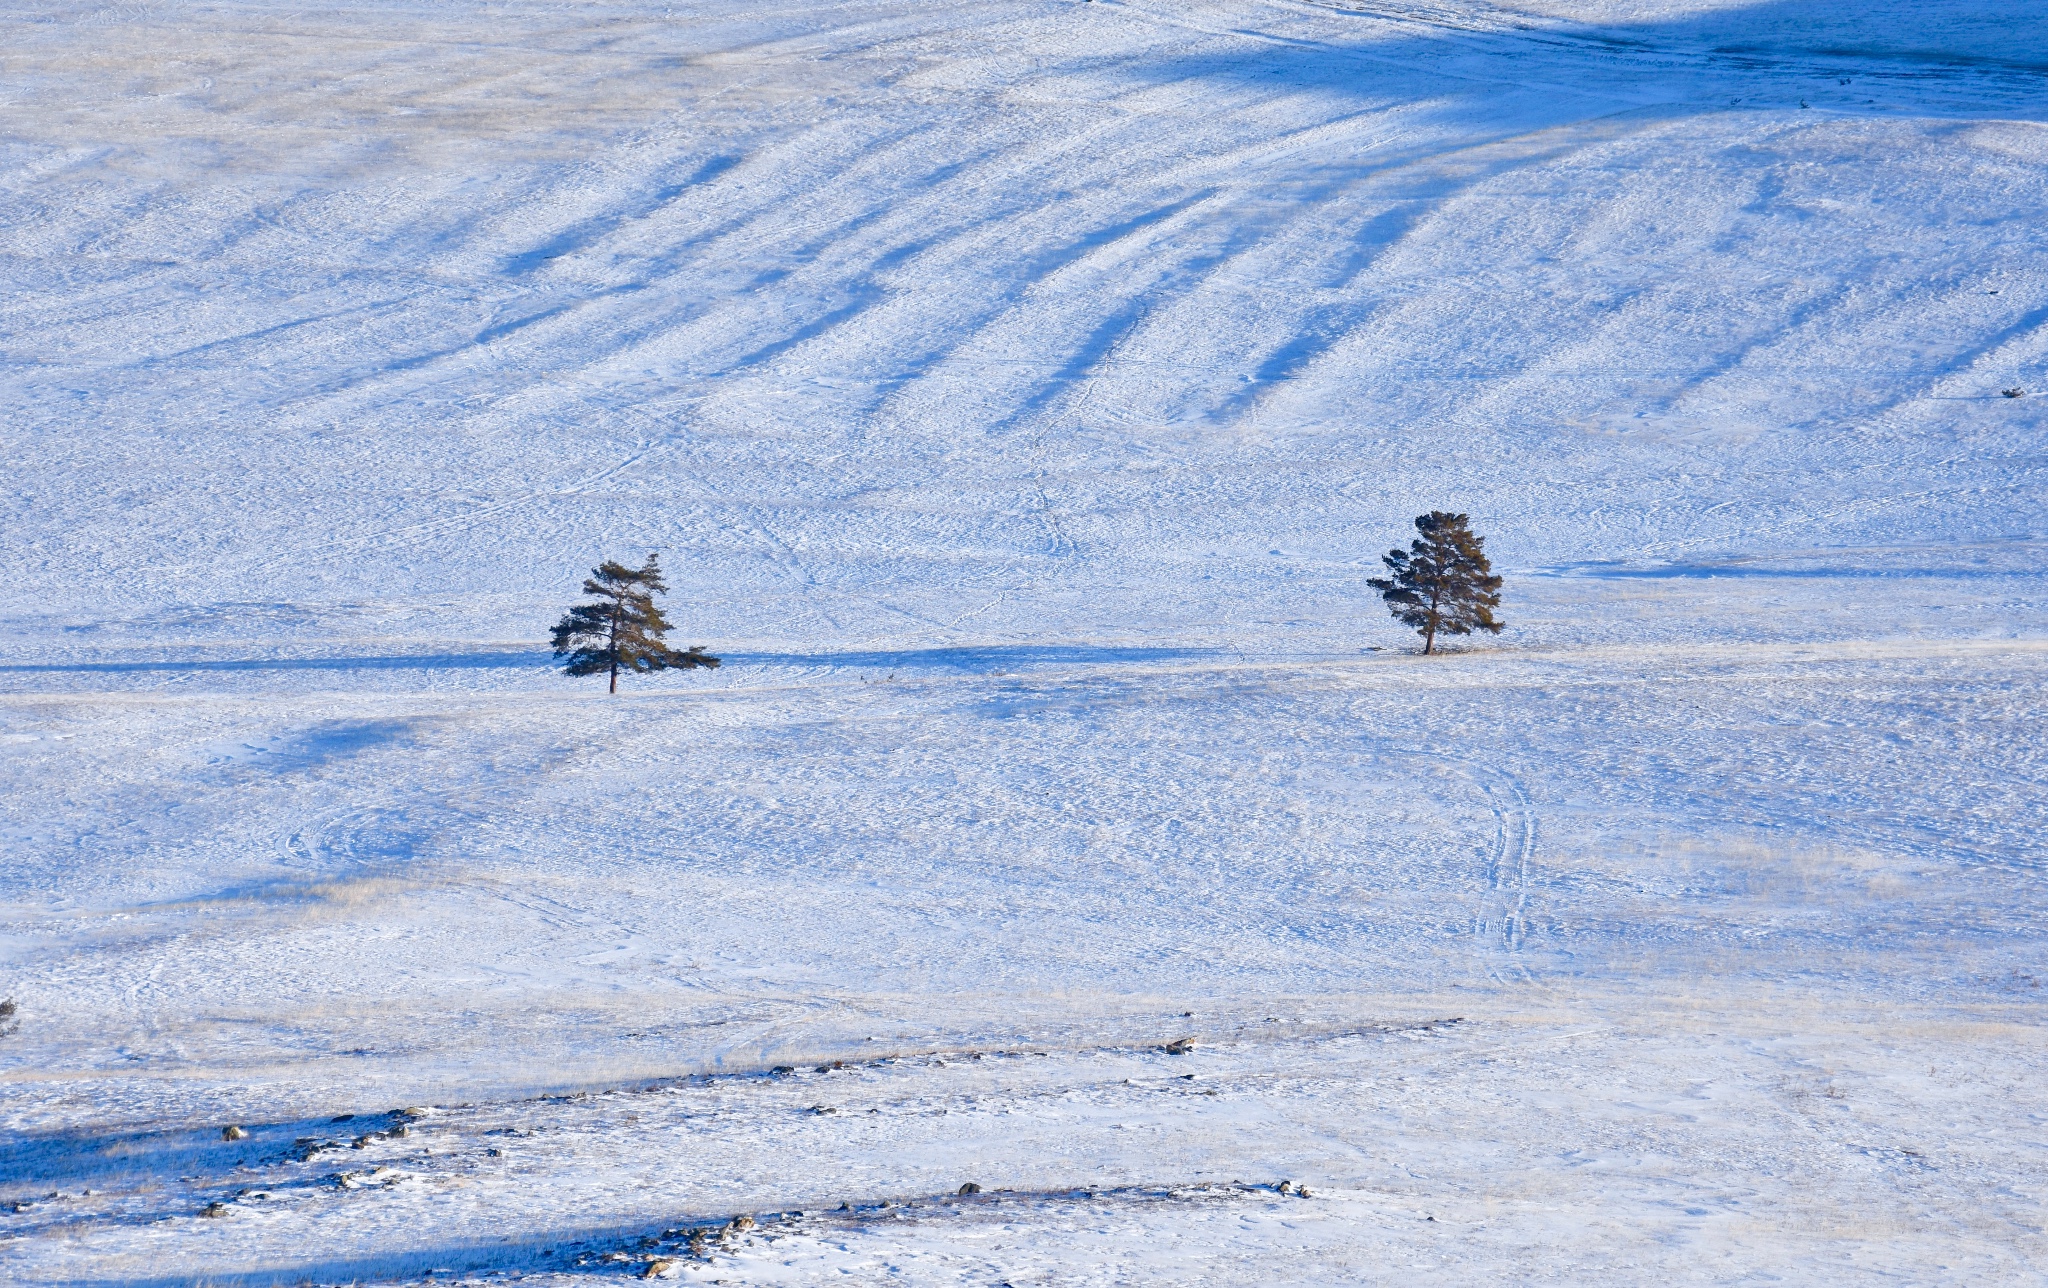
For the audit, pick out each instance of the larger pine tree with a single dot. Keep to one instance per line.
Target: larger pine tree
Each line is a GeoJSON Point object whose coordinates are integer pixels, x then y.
{"type": "Point", "coordinates": [1442, 584]}
{"type": "Point", "coordinates": [621, 629]}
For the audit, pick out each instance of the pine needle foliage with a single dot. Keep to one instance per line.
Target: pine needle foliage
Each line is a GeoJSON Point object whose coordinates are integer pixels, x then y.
{"type": "Point", "coordinates": [621, 629]}
{"type": "Point", "coordinates": [1442, 584]}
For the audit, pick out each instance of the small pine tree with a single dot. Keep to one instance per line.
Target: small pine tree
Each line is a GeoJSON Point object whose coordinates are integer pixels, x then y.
{"type": "Point", "coordinates": [622, 628]}
{"type": "Point", "coordinates": [1442, 584]}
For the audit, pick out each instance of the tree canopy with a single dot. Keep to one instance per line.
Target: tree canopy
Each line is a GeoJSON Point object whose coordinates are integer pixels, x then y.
{"type": "Point", "coordinates": [621, 629]}
{"type": "Point", "coordinates": [1442, 584]}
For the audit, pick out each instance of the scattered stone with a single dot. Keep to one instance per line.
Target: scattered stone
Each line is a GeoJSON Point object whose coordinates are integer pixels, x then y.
{"type": "Point", "coordinates": [233, 1133]}
{"type": "Point", "coordinates": [781, 1070]}
{"type": "Point", "coordinates": [413, 1115]}
{"type": "Point", "coordinates": [1180, 1046]}
{"type": "Point", "coordinates": [1301, 1192]}
{"type": "Point", "coordinates": [616, 1257]}
{"type": "Point", "coordinates": [970, 1188]}
{"type": "Point", "coordinates": [360, 1142]}
{"type": "Point", "coordinates": [398, 1131]}
{"type": "Point", "coordinates": [342, 1118]}
{"type": "Point", "coordinates": [1287, 1187]}
{"type": "Point", "coordinates": [660, 1268]}
{"type": "Point", "coordinates": [827, 1068]}
{"type": "Point", "coordinates": [215, 1208]}
{"type": "Point", "coordinates": [2014, 393]}
{"type": "Point", "coordinates": [741, 1223]}
{"type": "Point", "coordinates": [494, 1153]}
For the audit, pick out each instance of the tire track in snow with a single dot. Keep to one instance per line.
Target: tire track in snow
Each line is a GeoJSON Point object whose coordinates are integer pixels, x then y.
{"type": "Point", "coordinates": [1500, 924]}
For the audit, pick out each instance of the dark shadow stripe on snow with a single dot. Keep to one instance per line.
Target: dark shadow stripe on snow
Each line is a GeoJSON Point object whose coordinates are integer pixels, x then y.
{"type": "Point", "coordinates": [975, 657]}
{"type": "Point", "coordinates": [580, 1252]}
{"type": "Point", "coordinates": [384, 662]}
{"type": "Point", "coordinates": [1715, 571]}
{"type": "Point", "coordinates": [962, 658]}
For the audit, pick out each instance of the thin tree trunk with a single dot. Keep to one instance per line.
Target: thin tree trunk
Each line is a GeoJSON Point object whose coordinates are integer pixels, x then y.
{"type": "Point", "coordinates": [615, 647]}
{"type": "Point", "coordinates": [1429, 636]}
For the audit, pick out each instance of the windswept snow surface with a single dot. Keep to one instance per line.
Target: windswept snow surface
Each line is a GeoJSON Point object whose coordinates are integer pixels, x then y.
{"type": "Point", "coordinates": [1019, 394]}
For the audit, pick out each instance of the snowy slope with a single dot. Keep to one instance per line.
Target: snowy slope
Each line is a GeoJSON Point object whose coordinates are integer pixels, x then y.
{"type": "Point", "coordinates": [1020, 394]}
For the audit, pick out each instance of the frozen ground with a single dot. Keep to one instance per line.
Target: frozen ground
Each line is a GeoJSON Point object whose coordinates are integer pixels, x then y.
{"type": "Point", "coordinates": [1020, 394]}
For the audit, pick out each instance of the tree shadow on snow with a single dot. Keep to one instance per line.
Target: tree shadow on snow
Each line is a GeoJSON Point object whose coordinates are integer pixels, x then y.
{"type": "Point", "coordinates": [981, 657]}
{"type": "Point", "coordinates": [483, 659]}
{"type": "Point", "coordinates": [1714, 571]}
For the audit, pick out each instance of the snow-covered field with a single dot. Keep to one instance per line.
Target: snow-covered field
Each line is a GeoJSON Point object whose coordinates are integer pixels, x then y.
{"type": "Point", "coordinates": [1019, 393]}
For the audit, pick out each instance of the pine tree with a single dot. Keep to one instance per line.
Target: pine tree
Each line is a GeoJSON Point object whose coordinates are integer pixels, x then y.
{"type": "Point", "coordinates": [622, 628]}
{"type": "Point", "coordinates": [1442, 584]}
